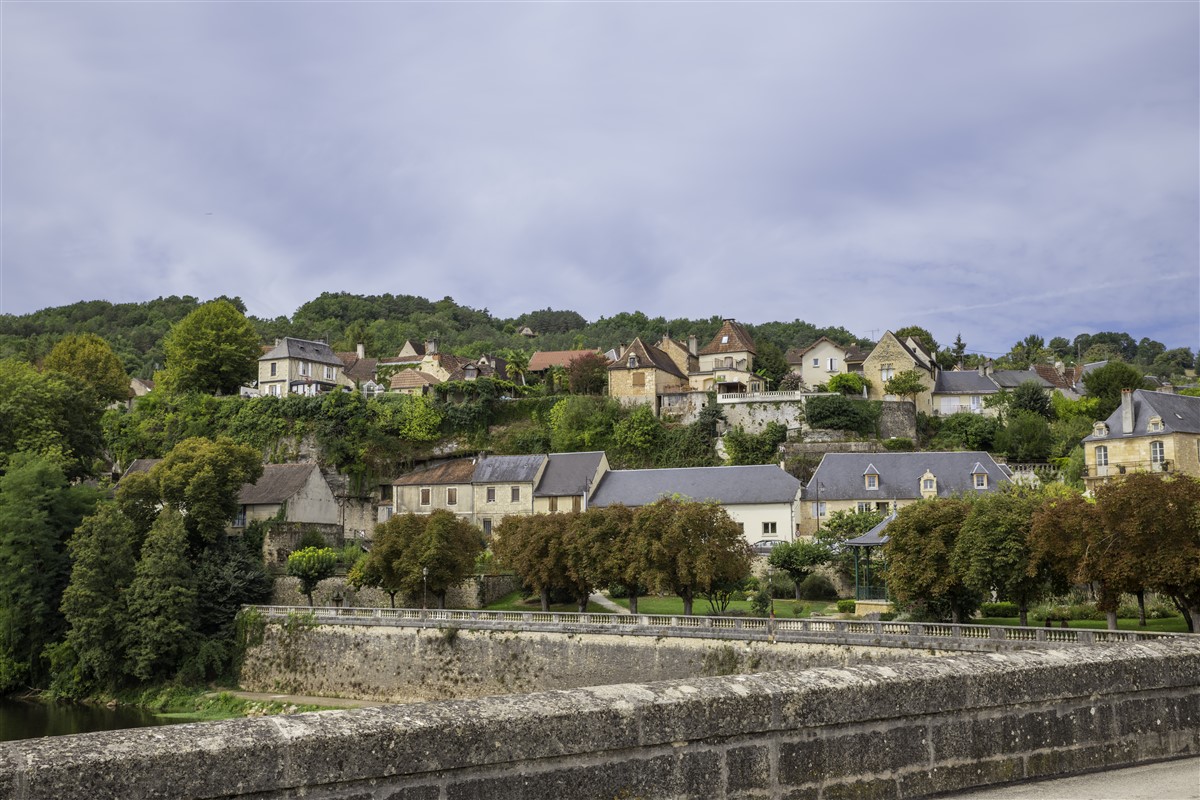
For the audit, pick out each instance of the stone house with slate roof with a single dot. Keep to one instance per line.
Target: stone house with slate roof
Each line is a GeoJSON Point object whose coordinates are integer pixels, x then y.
{"type": "Point", "coordinates": [727, 363]}
{"type": "Point", "coordinates": [890, 357]}
{"type": "Point", "coordinates": [480, 490]}
{"type": "Point", "coordinates": [568, 480]}
{"type": "Point", "coordinates": [889, 481]}
{"type": "Point", "coordinates": [763, 499]}
{"type": "Point", "coordinates": [966, 390]}
{"type": "Point", "coordinates": [298, 492]}
{"type": "Point", "coordinates": [301, 366]}
{"type": "Point", "coordinates": [1149, 432]}
{"type": "Point", "coordinates": [642, 374]}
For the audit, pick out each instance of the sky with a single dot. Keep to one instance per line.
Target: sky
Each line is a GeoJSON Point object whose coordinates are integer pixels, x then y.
{"type": "Point", "coordinates": [989, 169]}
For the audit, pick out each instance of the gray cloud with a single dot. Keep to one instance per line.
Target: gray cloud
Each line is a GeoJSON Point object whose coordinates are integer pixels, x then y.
{"type": "Point", "coordinates": [994, 169]}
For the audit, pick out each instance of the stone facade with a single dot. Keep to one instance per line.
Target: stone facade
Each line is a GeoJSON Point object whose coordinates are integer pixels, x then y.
{"type": "Point", "coordinates": [890, 358]}
{"type": "Point", "coordinates": [898, 730]}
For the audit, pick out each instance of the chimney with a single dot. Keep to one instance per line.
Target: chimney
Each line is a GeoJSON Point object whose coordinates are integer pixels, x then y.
{"type": "Point", "coordinates": [620, 349]}
{"type": "Point", "coordinates": [361, 349]}
{"type": "Point", "coordinates": [431, 347]}
{"type": "Point", "coordinates": [1167, 388]}
{"type": "Point", "coordinates": [1127, 411]}
{"type": "Point", "coordinates": [693, 349]}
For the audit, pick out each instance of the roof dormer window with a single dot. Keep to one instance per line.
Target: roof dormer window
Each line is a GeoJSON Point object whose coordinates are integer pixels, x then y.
{"type": "Point", "coordinates": [725, 339]}
{"type": "Point", "coordinates": [871, 477]}
{"type": "Point", "coordinates": [1156, 425]}
{"type": "Point", "coordinates": [928, 484]}
{"type": "Point", "coordinates": [633, 362]}
{"type": "Point", "coordinates": [1100, 429]}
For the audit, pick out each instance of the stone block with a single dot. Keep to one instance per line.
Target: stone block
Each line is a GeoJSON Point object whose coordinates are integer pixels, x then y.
{"type": "Point", "coordinates": [957, 777]}
{"type": "Point", "coordinates": [626, 778]}
{"type": "Point", "coordinates": [833, 756]}
{"type": "Point", "coordinates": [868, 789]}
{"type": "Point", "coordinates": [748, 768]}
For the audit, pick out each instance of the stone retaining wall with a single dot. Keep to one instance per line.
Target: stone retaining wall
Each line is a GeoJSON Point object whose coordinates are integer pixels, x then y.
{"type": "Point", "coordinates": [880, 731]}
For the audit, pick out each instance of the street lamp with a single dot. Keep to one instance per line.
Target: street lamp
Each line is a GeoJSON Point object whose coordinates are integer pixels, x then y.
{"type": "Point", "coordinates": [424, 587]}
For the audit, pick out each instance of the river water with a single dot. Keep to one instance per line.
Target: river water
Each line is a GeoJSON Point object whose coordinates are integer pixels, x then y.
{"type": "Point", "coordinates": [27, 719]}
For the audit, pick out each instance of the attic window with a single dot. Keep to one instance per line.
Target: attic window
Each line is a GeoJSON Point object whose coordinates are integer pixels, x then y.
{"type": "Point", "coordinates": [1100, 429]}
{"type": "Point", "coordinates": [725, 339]}
{"type": "Point", "coordinates": [980, 480]}
{"type": "Point", "coordinates": [928, 484]}
{"type": "Point", "coordinates": [1156, 425]}
{"type": "Point", "coordinates": [633, 362]}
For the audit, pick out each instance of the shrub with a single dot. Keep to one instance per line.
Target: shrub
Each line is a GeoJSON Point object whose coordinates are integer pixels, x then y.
{"type": "Point", "coordinates": [846, 606]}
{"type": "Point", "coordinates": [817, 587]}
{"type": "Point", "coordinates": [761, 602]}
{"type": "Point", "coordinates": [899, 444]}
{"type": "Point", "coordinates": [1004, 609]}
{"type": "Point", "coordinates": [312, 538]}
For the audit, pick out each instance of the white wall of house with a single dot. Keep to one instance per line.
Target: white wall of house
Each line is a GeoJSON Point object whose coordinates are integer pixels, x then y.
{"type": "Point", "coordinates": [753, 517]}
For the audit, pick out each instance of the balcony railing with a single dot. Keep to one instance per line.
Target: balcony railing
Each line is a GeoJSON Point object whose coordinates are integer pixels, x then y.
{"type": "Point", "coordinates": [766, 397]}
{"type": "Point", "coordinates": [895, 634]}
{"type": "Point", "coordinates": [1126, 467]}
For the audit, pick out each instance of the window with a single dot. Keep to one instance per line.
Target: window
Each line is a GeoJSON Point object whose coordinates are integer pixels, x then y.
{"type": "Point", "coordinates": [275, 390]}
{"type": "Point", "coordinates": [981, 480]}
{"type": "Point", "coordinates": [451, 496]}
{"type": "Point", "coordinates": [1102, 456]}
{"type": "Point", "coordinates": [491, 494]}
{"type": "Point", "coordinates": [717, 363]}
{"type": "Point", "coordinates": [633, 362]}
{"type": "Point", "coordinates": [728, 362]}
{"type": "Point", "coordinates": [887, 372]}
{"type": "Point", "coordinates": [769, 529]}
{"type": "Point", "coordinates": [928, 484]}
{"type": "Point", "coordinates": [425, 493]}
{"type": "Point", "coordinates": [576, 502]}
{"type": "Point", "coordinates": [832, 364]}
{"type": "Point", "coordinates": [638, 379]}
{"type": "Point", "coordinates": [516, 494]}
{"type": "Point", "coordinates": [976, 402]}
{"type": "Point", "coordinates": [816, 363]}
{"type": "Point", "coordinates": [1156, 452]}
{"type": "Point", "coordinates": [240, 520]}
{"type": "Point", "coordinates": [328, 373]}
{"type": "Point", "coordinates": [274, 368]}
{"type": "Point", "coordinates": [864, 507]}
{"type": "Point", "coordinates": [553, 504]}
{"type": "Point", "coordinates": [872, 481]}
{"type": "Point", "coordinates": [303, 367]}
{"type": "Point", "coordinates": [818, 509]}
{"type": "Point", "coordinates": [487, 526]}
{"type": "Point", "coordinates": [725, 339]}
{"type": "Point", "coordinates": [882, 507]}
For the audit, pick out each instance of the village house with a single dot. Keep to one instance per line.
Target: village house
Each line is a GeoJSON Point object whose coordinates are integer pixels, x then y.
{"type": "Point", "coordinates": [886, 482]}
{"type": "Point", "coordinates": [889, 358]}
{"type": "Point", "coordinates": [642, 374]}
{"type": "Point", "coordinates": [481, 490]}
{"type": "Point", "coordinates": [820, 361]}
{"type": "Point", "coordinates": [726, 364]}
{"type": "Point", "coordinates": [1149, 432]}
{"type": "Point", "coordinates": [568, 480]}
{"type": "Point", "coordinates": [301, 366]}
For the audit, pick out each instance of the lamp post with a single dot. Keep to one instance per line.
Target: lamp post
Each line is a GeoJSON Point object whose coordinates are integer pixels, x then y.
{"type": "Point", "coordinates": [424, 587]}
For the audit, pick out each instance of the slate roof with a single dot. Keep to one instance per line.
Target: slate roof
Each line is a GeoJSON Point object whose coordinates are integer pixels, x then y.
{"type": "Point", "coordinates": [303, 349]}
{"type": "Point", "coordinates": [508, 469]}
{"type": "Point", "coordinates": [648, 355]}
{"type": "Point", "coordinates": [544, 359]}
{"type": "Point", "coordinates": [856, 355]}
{"type": "Point", "coordinates": [873, 537]}
{"type": "Point", "coordinates": [840, 475]}
{"type": "Point", "coordinates": [1180, 413]}
{"type": "Point", "coordinates": [277, 484]}
{"type": "Point", "coordinates": [963, 382]}
{"type": "Point", "coordinates": [737, 340]}
{"type": "Point", "coordinates": [141, 465]}
{"type": "Point", "coordinates": [1012, 378]}
{"type": "Point", "coordinates": [568, 474]}
{"type": "Point", "coordinates": [357, 369]}
{"type": "Point", "coordinates": [727, 485]}
{"type": "Point", "coordinates": [460, 470]}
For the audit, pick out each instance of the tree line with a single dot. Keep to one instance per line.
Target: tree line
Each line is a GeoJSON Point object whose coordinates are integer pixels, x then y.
{"type": "Point", "coordinates": [945, 556]}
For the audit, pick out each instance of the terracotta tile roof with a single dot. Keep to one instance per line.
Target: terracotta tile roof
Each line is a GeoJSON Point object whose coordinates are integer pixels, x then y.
{"type": "Point", "coordinates": [647, 355]}
{"type": "Point", "coordinates": [358, 369]}
{"type": "Point", "coordinates": [411, 379]}
{"type": "Point", "coordinates": [460, 470]}
{"type": "Point", "coordinates": [544, 359]}
{"type": "Point", "coordinates": [732, 338]}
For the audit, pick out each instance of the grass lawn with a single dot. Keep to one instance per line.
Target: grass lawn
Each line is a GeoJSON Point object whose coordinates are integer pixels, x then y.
{"type": "Point", "coordinates": [673, 606]}
{"type": "Point", "coordinates": [513, 601]}
{"type": "Point", "coordinates": [1168, 625]}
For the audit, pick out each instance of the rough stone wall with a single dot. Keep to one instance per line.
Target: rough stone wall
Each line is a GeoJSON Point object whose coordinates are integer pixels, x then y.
{"type": "Point", "coordinates": [753, 417]}
{"type": "Point", "coordinates": [283, 538]}
{"type": "Point", "coordinates": [870, 732]}
{"type": "Point", "coordinates": [402, 665]}
{"type": "Point", "coordinates": [361, 517]}
{"type": "Point", "coordinates": [898, 419]}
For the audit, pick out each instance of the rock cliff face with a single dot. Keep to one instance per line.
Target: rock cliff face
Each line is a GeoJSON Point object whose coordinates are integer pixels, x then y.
{"type": "Point", "coordinates": [899, 730]}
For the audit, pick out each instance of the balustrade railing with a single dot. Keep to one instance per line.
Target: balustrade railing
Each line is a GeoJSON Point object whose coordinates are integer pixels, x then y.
{"type": "Point", "coordinates": [777, 629]}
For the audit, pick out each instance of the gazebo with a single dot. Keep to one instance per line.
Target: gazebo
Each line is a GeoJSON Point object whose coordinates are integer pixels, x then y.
{"type": "Point", "coordinates": [870, 593]}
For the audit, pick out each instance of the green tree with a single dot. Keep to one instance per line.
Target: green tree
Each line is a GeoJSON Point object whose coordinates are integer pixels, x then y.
{"type": "Point", "coordinates": [921, 335]}
{"type": "Point", "coordinates": [202, 478]}
{"type": "Point", "coordinates": [38, 511]}
{"type": "Point", "coordinates": [848, 383]}
{"type": "Point", "coordinates": [444, 554]}
{"type": "Point", "coordinates": [966, 431]}
{"type": "Point", "coordinates": [213, 350]}
{"type": "Point", "coordinates": [694, 547]}
{"type": "Point", "coordinates": [603, 549]}
{"type": "Point", "coordinates": [534, 548]}
{"type": "Point", "coordinates": [1106, 384]}
{"type": "Point", "coordinates": [49, 415]}
{"type": "Point", "coordinates": [840, 526]}
{"type": "Point", "coordinates": [1030, 396]}
{"type": "Point", "coordinates": [905, 384]}
{"type": "Point", "coordinates": [518, 364]}
{"type": "Point", "coordinates": [311, 565]}
{"type": "Point", "coordinates": [1026, 437]}
{"type": "Point", "coordinates": [921, 570]}
{"type": "Point", "coordinates": [162, 602]}
{"type": "Point", "coordinates": [994, 552]}
{"type": "Point", "coordinates": [638, 436]}
{"type": "Point", "coordinates": [582, 423]}
{"type": "Point", "coordinates": [94, 603]}
{"type": "Point", "coordinates": [89, 359]}
{"type": "Point", "coordinates": [755, 448]}
{"type": "Point", "coordinates": [408, 417]}
{"type": "Point", "coordinates": [587, 374]}
{"type": "Point", "coordinates": [799, 558]}
{"type": "Point", "coordinates": [770, 363]}
{"type": "Point", "coordinates": [387, 565]}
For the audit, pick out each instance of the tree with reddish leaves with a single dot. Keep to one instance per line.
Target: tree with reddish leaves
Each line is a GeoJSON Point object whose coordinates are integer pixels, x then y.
{"type": "Point", "coordinates": [587, 373]}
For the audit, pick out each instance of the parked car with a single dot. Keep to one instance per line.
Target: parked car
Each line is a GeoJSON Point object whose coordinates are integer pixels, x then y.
{"type": "Point", "coordinates": [763, 547]}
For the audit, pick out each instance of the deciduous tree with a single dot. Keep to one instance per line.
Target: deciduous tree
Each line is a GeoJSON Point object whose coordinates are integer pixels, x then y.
{"type": "Point", "coordinates": [905, 384]}
{"type": "Point", "coordinates": [213, 350]}
{"type": "Point", "coordinates": [694, 546]}
{"type": "Point", "coordinates": [311, 565]}
{"type": "Point", "coordinates": [799, 558]}
{"type": "Point", "coordinates": [90, 360]}
{"type": "Point", "coordinates": [203, 478]}
{"type": "Point", "coordinates": [162, 602]}
{"type": "Point", "coordinates": [1106, 384]}
{"type": "Point", "coordinates": [919, 552]}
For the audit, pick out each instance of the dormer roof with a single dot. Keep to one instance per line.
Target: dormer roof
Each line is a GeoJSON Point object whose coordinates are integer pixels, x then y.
{"type": "Point", "coordinates": [647, 356]}
{"type": "Point", "coordinates": [731, 338]}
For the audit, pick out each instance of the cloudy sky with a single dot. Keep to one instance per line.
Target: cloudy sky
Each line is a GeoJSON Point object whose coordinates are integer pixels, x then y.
{"type": "Point", "coordinates": [997, 169]}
